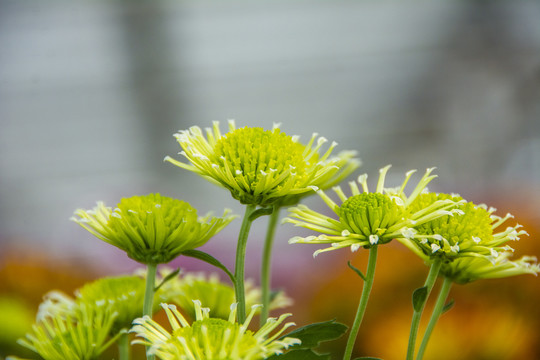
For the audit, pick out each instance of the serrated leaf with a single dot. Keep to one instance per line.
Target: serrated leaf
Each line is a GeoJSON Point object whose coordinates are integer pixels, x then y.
{"type": "Point", "coordinates": [448, 306]}
{"type": "Point", "coordinates": [201, 255]}
{"type": "Point", "coordinates": [305, 354]}
{"type": "Point", "coordinates": [356, 270]}
{"type": "Point", "coordinates": [419, 297]}
{"type": "Point", "coordinates": [167, 278]}
{"type": "Point", "coordinates": [313, 334]}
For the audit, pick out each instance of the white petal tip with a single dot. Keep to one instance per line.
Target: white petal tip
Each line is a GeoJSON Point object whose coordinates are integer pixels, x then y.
{"type": "Point", "coordinates": [373, 239]}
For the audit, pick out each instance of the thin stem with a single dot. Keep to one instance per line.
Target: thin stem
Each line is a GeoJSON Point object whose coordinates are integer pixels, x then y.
{"type": "Point", "coordinates": [366, 290]}
{"type": "Point", "coordinates": [149, 296]}
{"type": "Point", "coordinates": [123, 347]}
{"type": "Point", "coordinates": [437, 311]}
{"type": "Point", "coordinates": [430, 281]}
{"type": "Point", "coordinates": [240, 263]}
{"type": "Point", "coordinates": [266, 264]}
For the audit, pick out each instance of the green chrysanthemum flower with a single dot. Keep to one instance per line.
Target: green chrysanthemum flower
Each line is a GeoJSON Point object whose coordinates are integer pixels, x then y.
{"type": "Point", "coordinates": [366, 218]}
{"type": "Point", "coordinates": [466, 269]}
{"type": "Point", "coordinates": [262, 167]}
{"type": "Point", "coordinates": [211, 338]}
{"type": "Point", "coordinates": [469, 243]}
{"type": "Point", "coordinates": [125, 294]}
{"type": "Point", "coordinates": [214, 293]}
{"type": "Point", "coordinates": [81, 335]}
{"type": "Point", "coordinates": [471, 233]}
{"type": "Point", "coordinates": [122, 294]}
{"type": "Point", "coordinates": [151, 229]}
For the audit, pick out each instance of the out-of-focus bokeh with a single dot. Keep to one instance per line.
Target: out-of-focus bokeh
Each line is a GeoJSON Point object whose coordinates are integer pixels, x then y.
{"type": "Point", "coordinates": [92, 92]}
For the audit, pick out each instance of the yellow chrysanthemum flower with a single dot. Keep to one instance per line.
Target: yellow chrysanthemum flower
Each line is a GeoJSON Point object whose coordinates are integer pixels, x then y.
{"type": "Point", "coordinates": [470, 244]}
{"type": "Point", "coordinates": [81, 335]}
{"type": "Point", "coordinates": [216, 294]}
{"type": "Point", "coordinates": [368, 218]}
{"type": "Point", "coordinates": [262, 167]}
{"type": "Point", "coordinates": [151, 229]}
{"type": "Point", "coordinates": [211, 338]}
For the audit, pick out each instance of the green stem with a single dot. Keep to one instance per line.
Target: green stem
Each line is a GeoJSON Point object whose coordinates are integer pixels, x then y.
{"type": "Point", "coordinates": [368, 283]}
{"type": "Point", "coordinates": [266, 264]}
{"type": "Point", "coordinates": [123, 347]}
{"type": "Point", "coordinates": [240, 263]}
{"type": "Point", "coordinates": [430, 281]}
{"type": "Point", "coordinates": [437, 311]}
{"type": "Point", "coordinates": [149, 296]}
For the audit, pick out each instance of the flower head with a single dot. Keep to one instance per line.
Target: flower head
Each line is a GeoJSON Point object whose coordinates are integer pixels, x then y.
{"type": "Point", "coordinates": [368, 218]}
{"type": "Point", "coordinates": [122, 295]}
{"type": "Point", "coordinates": [472, 232]}
{"type": "Point", "coordinates": [262, 167]}
{"type": "Point", "coordinates": [470, 242]}
{"type": "Point", "coordinates": [125, 295]}
{"type": "Point", "coordinates": [211, 338]}
{"type": "Point", "coordinates": [151, 229]}
{"type": "Point", "coordinates": [466, 269]}
{"type": "Point", "coordinates": [213, 292]}
{"type": "Point", "coordinates": [82, 334]}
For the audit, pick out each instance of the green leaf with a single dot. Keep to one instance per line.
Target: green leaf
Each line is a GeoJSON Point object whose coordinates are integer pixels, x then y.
{"type": "Point", "coordinates": [260, 212]}
{"type": "Point", "coordinates": [313, 334]}
{"type": "Point", "coordinates": [448, 306]}
{"type": "Point", "coordinates": [419, 298]}
{"type": "Point", "coordinates": [167, 278]}
{"type": "Point", "coordinates": [299, 355]}
{"type": "Point", "coordinates": [197, 254]}
{"type": "Point", "coordinates": [367, 358]}
{"type": "Point", "coordinates": [356, 270]}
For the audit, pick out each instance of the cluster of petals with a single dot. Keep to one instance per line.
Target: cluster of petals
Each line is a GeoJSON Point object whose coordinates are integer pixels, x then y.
{"type": "Point", "coordinates": [211, 338]}
{"type": "Point", "coordinates": [473, 244]}
{"type": "Point", "coordinates": [262, 167]}
{"type": "Point", "coordinates": [374, 224]}
{"type": "Point", "coordinates": [80, 332]}
{"type": "Point", "coordinates": [123, 295]}
{"type": "Point", "coordinates": [466, 269]}
{"type": "Point", "coordinates": [151, 229]}
{"type": "Point", "coordinates": [211, 291]}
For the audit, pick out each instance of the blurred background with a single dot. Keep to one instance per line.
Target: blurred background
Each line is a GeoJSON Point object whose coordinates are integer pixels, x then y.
{"type": "Point", "coordinates": [92, 92]}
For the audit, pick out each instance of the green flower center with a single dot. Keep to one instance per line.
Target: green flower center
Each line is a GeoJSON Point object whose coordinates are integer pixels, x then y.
{"type": "Point", "coordinates": [216, 339]}
{"type": "Point", "coordinates": [474, 225]}
{"type": "Point", "coordinates": [251, 153]}
{"type": "Point", "coordinates": [369, 214]}
{"type": "Point", "coordinates": [151, 224]}
{"type": "Point", "coordinates": [139, 211]}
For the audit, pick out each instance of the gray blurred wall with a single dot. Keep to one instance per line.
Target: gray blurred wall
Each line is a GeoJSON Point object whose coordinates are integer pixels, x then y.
{"type": "Point", "coordinates": [91, 93]}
